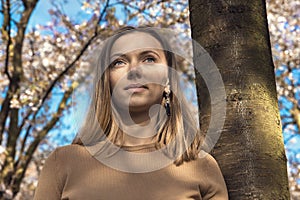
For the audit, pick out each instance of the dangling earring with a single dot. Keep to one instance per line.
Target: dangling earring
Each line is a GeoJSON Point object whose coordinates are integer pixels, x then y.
{"type": "Point", "coordinates": [167, 99]}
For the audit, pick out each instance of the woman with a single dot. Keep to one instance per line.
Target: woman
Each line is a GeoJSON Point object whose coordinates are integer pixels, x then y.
{"type": "Point", "coordinates": [139, 140]}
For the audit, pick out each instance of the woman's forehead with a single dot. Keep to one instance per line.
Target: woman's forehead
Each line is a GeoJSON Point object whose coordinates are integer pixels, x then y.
{"type": "Point", "coordinates": [134, 41]}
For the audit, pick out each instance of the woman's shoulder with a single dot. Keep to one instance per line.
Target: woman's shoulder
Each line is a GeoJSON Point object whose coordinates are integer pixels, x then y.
{"type": "Point", "coordinates": [207, 159]}
{"type": "Point", "coordinates": [207, 164]}
{"type": "Point", "coordinates": [203, 166]}
{"type": "Point", "coordinates": [71, 148]}
{"type": "Point", "coordinates": [204, 160]}
{"type": "Point", "coordinates": [69, 152]}
{"type": "Point", "coordinates": [212, 183]}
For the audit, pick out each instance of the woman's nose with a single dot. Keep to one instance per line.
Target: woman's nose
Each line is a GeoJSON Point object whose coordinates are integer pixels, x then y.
{"type": "Point", "coordinates": [135, 71]}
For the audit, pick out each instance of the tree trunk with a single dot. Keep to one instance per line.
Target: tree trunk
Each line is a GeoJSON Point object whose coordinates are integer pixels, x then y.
{"type": "Point", "coordinates": [250, 150]}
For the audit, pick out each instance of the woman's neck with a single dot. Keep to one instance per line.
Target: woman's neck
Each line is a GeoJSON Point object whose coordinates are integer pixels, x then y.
{"type": "Point", "coordinates": [138, 129]}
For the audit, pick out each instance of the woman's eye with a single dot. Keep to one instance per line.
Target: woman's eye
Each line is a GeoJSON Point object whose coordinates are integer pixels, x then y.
{"type": "Point", "coordinates": [150, 60]}
{"type": "Point", "coordinates": [118, 63]}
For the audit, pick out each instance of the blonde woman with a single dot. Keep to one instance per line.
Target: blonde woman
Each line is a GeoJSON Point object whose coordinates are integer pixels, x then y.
{"type": "Point", "coordinates": [139, 140]}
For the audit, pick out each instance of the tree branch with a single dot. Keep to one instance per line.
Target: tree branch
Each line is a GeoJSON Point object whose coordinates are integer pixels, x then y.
{"type": "Point", "coordinates": [5, 107]}
{"type": "Point", "coordinates": [13, 90]}
{"type": "Point", "coordinates": [8, 32]}
{"type": "Point", "coordinates": [24, 4]}
{"type": "Point", "coordinates": [24, 160]}
{"type": "Point", "coordinates": [67, 69]}
{"type": "Point", "coordinates": [31, 149]}
{"type": "Point", "coordinates": [101, 16]}
{"type": "Point", "coordinates": [6, 28]}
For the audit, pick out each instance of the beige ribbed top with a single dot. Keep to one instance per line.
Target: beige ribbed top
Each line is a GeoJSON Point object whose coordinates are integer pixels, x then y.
{"type": "Point", "coordinates": [72, 173]}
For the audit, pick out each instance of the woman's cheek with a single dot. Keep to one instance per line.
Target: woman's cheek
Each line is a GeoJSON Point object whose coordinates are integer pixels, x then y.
{"type": "Point", "coordinates": [156, 74]}
{"type": "Point", "coordinates": [114, 78]}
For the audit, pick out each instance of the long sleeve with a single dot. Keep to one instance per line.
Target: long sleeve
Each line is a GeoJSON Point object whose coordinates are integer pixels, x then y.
{"type": "Point", "coordinates": [50, 182]}
{"type": "Point", "coordinates": [216, 187]}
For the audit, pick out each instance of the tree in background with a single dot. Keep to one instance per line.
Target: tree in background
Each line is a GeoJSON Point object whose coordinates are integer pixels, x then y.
{"type": "Point", "coordinates": [250, 149]}
{"type": "Point", "coordinates": [284, 25]}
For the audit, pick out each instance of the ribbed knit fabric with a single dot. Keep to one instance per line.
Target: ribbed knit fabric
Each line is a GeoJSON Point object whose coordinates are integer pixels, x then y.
{"type": "Point", "coordinates": [72, 173]}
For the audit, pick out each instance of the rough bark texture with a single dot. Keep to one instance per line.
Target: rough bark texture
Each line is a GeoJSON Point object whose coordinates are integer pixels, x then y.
{"type": "Point", "coordinates": [250, 150]}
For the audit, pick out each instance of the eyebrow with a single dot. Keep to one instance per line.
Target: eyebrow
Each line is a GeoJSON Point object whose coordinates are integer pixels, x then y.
{"type": "Point", "coordinates": [117, 55]}
{"type": "Point", "coordinates": [149, 51]}
{"type": "Point", "coordinates": [140, 54]}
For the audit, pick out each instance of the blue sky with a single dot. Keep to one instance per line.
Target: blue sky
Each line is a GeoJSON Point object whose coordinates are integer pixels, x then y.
{"type": "Point", "coordinates": [41, 15]}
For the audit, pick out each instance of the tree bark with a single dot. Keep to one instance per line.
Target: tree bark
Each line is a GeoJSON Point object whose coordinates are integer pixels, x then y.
{"type": "Point", "coordinates": [250, 150]}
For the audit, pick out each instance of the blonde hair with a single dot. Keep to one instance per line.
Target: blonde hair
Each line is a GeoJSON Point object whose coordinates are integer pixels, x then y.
{"type": "Point", "coordinates": [101, 125]}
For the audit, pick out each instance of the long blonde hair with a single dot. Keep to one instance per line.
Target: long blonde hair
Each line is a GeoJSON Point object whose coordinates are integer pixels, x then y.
{"type": "Point", "coordinates": [101, 125]}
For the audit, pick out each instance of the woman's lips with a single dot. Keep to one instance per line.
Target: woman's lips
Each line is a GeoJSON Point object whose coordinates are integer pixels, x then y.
{"type": "Point", "coordinates": [136, 87]}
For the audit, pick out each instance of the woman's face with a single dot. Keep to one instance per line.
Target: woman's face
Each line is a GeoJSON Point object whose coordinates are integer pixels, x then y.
{"type": "Point", "coordinates": [138, 72]}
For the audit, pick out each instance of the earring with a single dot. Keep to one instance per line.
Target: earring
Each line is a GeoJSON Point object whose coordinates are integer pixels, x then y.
{"type": "Point", "coordinates": [167, 99]}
